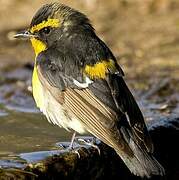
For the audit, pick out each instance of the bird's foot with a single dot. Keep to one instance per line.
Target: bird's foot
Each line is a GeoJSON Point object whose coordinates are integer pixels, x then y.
{"type": "Point", "coordinates": [68, 147]}
{"type": "Point", "coordinates": [80, 141]}
{"type": "Point", "coordinates": [88, 141]}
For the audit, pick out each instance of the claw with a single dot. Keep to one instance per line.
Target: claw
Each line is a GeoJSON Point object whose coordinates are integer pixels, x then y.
{"type": "Point", "coordinates": [76, 152]}
{"type": "Point", "coordinates": [66, 146]}
{"type": "Point", "coordinates": [89, 141]}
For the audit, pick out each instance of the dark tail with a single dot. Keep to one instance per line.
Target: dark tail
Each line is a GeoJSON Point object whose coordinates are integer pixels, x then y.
{"type": "Point", "coordinates": [141, 163]}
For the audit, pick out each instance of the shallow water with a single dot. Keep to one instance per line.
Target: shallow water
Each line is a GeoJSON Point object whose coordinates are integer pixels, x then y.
{"type": "Point", "coordinates": [26, 132]}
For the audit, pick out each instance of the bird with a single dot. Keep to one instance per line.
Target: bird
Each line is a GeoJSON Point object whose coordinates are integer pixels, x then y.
{"type": "Point", "coordinates": [79, 86]}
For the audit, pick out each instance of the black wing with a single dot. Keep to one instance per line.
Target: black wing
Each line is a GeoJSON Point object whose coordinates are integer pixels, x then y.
{"type": "Point", "coordinates": [128, 105]}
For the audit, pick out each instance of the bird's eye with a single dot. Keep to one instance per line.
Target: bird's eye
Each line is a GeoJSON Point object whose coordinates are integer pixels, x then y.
{"type": "Point", "coordinates": [46, 30]}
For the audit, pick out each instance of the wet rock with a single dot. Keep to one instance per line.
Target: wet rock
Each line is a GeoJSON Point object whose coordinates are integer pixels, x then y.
{"type": "Point", "coordinates": [64, 164]}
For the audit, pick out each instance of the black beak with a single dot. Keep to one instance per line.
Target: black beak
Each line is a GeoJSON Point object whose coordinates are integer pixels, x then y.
{"type": "Point", "coordinates": [24, 35]}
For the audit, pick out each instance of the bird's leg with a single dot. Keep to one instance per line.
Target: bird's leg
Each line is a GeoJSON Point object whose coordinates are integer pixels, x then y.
{"type": "Point", "coordinates": [71, 144]}
{"type": "Point", "coordinates": [72, 140]}
{"type": "Point", "coordinates": [67, 145]}
{"type": "Point", "coordinates": [70, 148]}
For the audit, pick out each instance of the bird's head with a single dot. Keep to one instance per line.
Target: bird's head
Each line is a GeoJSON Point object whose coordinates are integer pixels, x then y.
{"type": "Point", "coordinates": [50, 23]}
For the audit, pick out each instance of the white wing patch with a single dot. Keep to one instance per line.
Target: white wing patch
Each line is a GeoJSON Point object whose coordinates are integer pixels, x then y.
{"type": "Point", "coordinates": [83, 85]}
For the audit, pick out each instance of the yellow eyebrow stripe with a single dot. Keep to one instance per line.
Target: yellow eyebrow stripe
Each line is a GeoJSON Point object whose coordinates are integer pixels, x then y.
{"type": "Point", "coordinates": [100, 69]}
{"type": "Point", "coordinates": [49, 23]}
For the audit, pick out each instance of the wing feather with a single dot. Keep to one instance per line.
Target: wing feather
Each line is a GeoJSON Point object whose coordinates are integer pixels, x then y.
{"type": "Point", "coordinates": [91, 113]}
{"type": "Point", "coordinates": [127, 104]}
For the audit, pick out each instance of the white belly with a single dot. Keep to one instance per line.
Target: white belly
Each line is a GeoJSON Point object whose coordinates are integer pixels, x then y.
{"type": "Point", "coordinates": [54, 111]}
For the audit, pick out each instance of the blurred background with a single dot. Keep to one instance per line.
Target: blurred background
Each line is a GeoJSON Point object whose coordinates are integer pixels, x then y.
{"type": "Point", "coordinates": [144, 37]}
